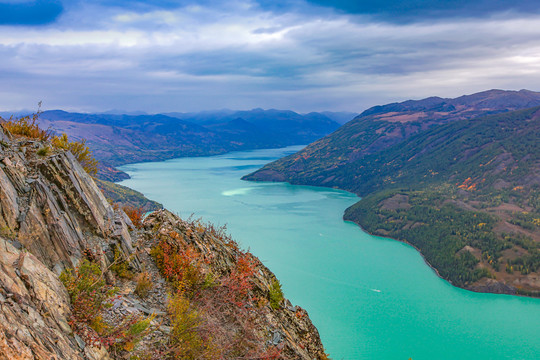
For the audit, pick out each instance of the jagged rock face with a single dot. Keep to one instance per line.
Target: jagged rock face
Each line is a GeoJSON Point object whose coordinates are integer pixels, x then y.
{"type": "Point", "coordinates": [288, 327]}
{"type": "Point", "coordinates": [34, 311]}
{"type": "Point", "coordinates": [51, 213]}
{"type": "Point", "coordinates": [29, 291]}
{"type": "Point", "coordinates": [54, 206]}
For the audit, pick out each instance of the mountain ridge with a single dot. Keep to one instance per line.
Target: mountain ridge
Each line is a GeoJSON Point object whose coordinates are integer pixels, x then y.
{"type": "Point", "coordinates": [376, 129]}
{"type": "Point", "coordinates": [121, 139]}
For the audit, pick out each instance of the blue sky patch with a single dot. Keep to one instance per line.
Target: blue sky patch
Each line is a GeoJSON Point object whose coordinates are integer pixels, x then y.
{"type": "Point", "coordinates": [39, 12]}
{"type": "Point", "coordinates": [421, 10]}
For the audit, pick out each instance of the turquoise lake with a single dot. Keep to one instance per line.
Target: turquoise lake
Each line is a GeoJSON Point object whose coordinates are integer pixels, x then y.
{"type": "Point", "coordinates": [370, 297]}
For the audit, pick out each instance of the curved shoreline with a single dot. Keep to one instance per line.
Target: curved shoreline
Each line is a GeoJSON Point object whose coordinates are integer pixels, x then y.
{"type": "Point", "coordinates": [405, 242]}
{"type": "Point", "coordinates": [516, 293]}
{"type": "Point", "coordinates": [506, 289]}
{"type": "Point", "coordinates": [503, 289]}
{"type": "Point", "coordinates": [343, 301]}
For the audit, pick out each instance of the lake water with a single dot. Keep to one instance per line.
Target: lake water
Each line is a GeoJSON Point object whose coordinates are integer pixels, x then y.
{"type": "Point", "coordinates": [370, 297]}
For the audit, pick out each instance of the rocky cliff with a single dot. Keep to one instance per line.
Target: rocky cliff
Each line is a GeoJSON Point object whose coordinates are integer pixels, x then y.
{"type": "Point", "coordinates": [53, 217]}
{"type": "Point", "coordinates": [286, 330]}
{"type": "Point", "coordinates": [52, 207]}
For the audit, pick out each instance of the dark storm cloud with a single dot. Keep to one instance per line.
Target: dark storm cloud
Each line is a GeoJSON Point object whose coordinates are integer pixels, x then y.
{"type": "Point", "coordinates": [193, 55]}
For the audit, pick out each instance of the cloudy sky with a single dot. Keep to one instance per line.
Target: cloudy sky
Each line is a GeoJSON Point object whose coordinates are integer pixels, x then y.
{"type": "Point", "coordinates": [185, 55]}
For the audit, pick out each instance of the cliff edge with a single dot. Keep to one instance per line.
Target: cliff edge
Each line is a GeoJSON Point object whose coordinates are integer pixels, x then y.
{"type": "Point", "coordinates": [57, 230]}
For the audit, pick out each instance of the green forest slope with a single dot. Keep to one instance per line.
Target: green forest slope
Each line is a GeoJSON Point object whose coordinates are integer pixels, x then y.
{"type": "Point", "coordinates": [465, 193]}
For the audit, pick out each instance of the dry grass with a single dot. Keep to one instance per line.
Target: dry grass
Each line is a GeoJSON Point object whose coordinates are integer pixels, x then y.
{"type": "Point", "coordinates": [144, 284]}
{"type": "Point", "coordinates": [26, 126]}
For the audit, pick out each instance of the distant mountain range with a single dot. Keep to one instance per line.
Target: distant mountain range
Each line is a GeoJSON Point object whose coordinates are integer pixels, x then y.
{"type": "Point", "coordinates": [121, 139]}
{"type": "Point", "coordinates": [457, 178]}
{"type": "Point", "coordinates": [216, 116]}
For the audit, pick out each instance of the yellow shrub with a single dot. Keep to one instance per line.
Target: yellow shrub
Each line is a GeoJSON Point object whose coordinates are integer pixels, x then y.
{"type": "Point", "coordinates": [82, 153]}
{"type": "Point", "coordinates": [186, 338]}
{"type": "Point", "coordinates": [26, 126]}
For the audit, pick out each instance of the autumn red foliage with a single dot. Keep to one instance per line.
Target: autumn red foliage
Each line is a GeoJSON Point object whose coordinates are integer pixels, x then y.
{"type": "Point", "coordinates": [135, 214]}
{"type": "Point", "coordinates": [240, 281]}
{"type": "Point", "coordinates": [212, 310]}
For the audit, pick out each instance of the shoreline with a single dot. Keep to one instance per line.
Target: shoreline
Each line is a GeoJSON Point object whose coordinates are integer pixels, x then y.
{"type": "Point", "coordinates": [414, 247]}
{"type": "Point", "coordinates": [405, 242]}
{"type": "Point", "coordinates": [437, 271]}
{"type": "Point", "coordinates": [168, 158]}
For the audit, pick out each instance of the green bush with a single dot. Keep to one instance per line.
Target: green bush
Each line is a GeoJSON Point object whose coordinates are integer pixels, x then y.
{"type": "Point", "coordinates": [89, 296]}
{"type": "Point", "coordinates": [44, 151]}
{"type": "Point", "coordinates": [87, 290]}
{"type": "Point", "coordinates": [276, 294]}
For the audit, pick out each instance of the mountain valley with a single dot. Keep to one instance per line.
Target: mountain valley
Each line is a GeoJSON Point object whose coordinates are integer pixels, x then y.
{"type": "Point", "coordinates": [122, 139]}
{"type": "Point", "coordinates": [457, 183]}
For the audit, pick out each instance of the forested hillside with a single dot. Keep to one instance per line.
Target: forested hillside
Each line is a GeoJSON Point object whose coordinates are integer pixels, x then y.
{"type": "Point", "coordinates": [465, 193]}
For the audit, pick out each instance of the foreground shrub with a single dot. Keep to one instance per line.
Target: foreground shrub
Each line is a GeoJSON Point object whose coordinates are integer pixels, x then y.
{"type": "Point", "coordinates": [82, 153]}
{"type": "Point", "coordinates": [120, 265]}
{"type": "Point", "coordinates": [183, 266]}
{"type": "Point", "coordinates": [240, 281]}
{"type": "Point", "coordinates": [276, 294]}
{"type": "Point", "coordinates": [187, 339]}
{"type": "Point", "coordinates": [144, 284]}
{"type": "Point", "coordinates": [26, 126]}
{"type": "Point", "coordinates": [44, 151]}
{"type": "Point", "coordinates": [87, 290]}
{"type": "Point", "coordinates": [135, 214]}
{"type": "Point", "coordinates": [213, 314]}
{"type": "Point", "coordinates": [128, 333]}
{"type": "Point", "coordinates": [89, 296]}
